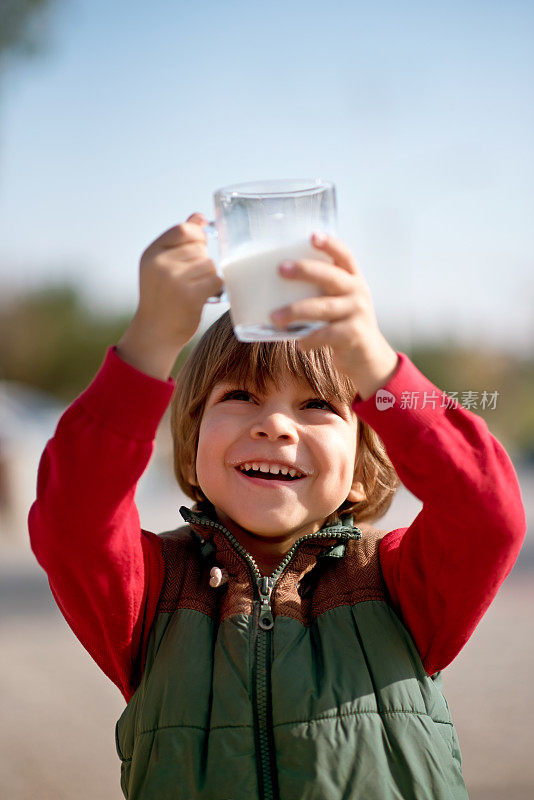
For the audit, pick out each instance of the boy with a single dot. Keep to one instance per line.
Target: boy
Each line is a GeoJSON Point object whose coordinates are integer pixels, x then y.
{"type": "Point", "coordinates": [277, 646]}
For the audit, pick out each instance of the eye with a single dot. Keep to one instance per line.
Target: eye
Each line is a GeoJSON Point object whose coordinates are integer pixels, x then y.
{"type": "Point", "coordinates": [237, 394]}
{"type": "Point", "coordinates": [317, 402]}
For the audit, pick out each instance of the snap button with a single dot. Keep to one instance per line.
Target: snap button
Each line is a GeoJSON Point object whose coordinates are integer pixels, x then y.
{"type": "Point", "coordinates": [218, 576]}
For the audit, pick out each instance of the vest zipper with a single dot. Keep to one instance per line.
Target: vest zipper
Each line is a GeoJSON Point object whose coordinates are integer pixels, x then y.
{"type": "Point", "coordinates": [261, 688]}
{"type": "Point", "coordinates": [263, 623]}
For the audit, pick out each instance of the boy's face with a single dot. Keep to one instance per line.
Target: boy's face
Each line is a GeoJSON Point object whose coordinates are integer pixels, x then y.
{"type": "Point", "coordinates": [286, 427]}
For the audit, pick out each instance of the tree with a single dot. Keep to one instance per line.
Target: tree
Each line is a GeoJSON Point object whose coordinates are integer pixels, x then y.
{"type": "Point", "coordinates": [52, 340]}
{"type": "Point", "coordinates": [21, 27]}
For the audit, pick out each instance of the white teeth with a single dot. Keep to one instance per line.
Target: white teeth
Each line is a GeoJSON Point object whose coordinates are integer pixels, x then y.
{"type": "Point", "coordinates": [274, 469]}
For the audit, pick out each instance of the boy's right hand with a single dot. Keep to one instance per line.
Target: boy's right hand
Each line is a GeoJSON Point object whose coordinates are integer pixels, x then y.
{"type": "Point", "coordinates": [176, 279]}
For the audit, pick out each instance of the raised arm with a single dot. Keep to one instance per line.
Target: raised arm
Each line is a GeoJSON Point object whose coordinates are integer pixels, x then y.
{"type": "Point", "coordinates": [445, 569]}
{"type": "Point", "coordinates": [443, 572]}
{"type": "Point", "coordinates": [104, 572]}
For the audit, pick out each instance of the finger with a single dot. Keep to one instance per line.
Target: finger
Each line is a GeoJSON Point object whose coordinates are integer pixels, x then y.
{"type": "Point", "coordinates": [328, 336]}
{"type": "Point", "coordinates": [188, 270]}
{"type": "Point", "coordinates": [337, 250]}
{"type": "Point", "coordinates": [192, 251]}
{"type": "Point", "coordinates": [204, 269]}
{"type": "Point", "coordinates": [209, 285]}
{"type": "Point", "coordinates": [198, 218]}
{"type": "Point", "coordinates": [200, 275]}
{"type": "Point", "coordinates": [183, 233]}
{"type": "Point", "coordinates": [327, 309]}
{"type": "Point", "coordinates": [313, 340]}
{"type": "Point", "coordinates": [328, 277]}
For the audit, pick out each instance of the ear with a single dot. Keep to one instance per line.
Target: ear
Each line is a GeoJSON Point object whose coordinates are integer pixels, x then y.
{"type": "Point", "coordinates": [356, 493]}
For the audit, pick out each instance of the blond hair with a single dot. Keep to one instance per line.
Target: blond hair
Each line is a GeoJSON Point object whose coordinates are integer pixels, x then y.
{"type": "Point", "coordinates": [219, 356]}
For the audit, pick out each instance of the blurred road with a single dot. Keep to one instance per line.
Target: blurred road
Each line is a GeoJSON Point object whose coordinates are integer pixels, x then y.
{"type": "Point", "coordinates": [59, 710]}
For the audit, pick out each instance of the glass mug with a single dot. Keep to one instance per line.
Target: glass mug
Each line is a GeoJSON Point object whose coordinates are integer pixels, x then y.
{"type": "Point", "coordinates": [258, 225]}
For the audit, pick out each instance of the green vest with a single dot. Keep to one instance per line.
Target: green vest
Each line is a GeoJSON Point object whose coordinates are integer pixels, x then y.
{"type": "Point", "coordinates": [301, 686]}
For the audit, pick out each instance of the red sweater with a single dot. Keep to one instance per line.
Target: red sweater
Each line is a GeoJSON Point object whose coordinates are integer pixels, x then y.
{"type": "Point", "coordinates": [106, 573]}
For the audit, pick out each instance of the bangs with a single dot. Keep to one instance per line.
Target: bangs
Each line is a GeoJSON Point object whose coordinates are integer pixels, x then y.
{"type": "Point", "coordinates": [262, 364]}
{"type": "Point", "coordinates": [220, 358]}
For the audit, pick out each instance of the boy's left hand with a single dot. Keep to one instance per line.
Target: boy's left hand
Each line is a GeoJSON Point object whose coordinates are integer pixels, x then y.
{"type": "Point", "coordinates": [360, 349]}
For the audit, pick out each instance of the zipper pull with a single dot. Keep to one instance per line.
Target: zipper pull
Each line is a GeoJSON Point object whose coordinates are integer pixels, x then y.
{"type": "Point", "coordinates": [266, 621]}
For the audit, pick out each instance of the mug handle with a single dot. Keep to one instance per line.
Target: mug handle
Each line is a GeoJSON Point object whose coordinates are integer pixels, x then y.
{"type": "Point", "coordinates": [211, 234]}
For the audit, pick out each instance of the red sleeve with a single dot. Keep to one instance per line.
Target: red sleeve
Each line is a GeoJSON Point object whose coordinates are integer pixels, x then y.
{"type": "Point", "coordinates": [443, 571]}
{"type": "Point", "coordinates": [104, 571]}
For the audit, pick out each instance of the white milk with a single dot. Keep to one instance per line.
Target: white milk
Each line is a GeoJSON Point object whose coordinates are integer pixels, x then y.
{"type": "Point", "coordinates": [255, 288]}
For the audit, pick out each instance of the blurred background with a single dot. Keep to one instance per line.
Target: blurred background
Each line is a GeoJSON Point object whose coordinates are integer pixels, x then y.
{"type": "Point", "coordinates": [118, 120]}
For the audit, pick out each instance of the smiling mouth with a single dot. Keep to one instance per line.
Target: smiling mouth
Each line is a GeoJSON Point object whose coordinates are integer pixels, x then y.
{"type": "Point", "coordinates": [270, 476]}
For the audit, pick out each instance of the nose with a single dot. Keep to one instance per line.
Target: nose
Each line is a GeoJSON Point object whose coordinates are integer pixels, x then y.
{"type": "Point", "coordinates": [274, 425]}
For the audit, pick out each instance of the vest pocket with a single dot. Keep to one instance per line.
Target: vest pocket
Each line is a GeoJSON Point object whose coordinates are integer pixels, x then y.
{"type": "Point", "coordinates": [445, 731]}
{"type": "Point", "coordinates": [448, 734]}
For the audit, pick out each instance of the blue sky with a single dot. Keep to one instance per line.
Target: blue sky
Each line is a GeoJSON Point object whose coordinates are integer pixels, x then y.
{"type": "Point", "coordinates": [421, 113]}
